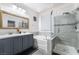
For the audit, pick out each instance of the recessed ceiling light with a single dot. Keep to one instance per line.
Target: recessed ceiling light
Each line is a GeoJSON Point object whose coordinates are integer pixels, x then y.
{"type": "Point", "coordinates": [20, 9]}
{"type": "Point", "coordinates": [14, 6]}
{"type": "Point", "coordinates": [23, 10]}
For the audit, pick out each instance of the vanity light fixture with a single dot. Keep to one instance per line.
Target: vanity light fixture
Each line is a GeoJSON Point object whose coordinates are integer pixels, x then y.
{"type": "Point", "coordinates": [17, 9]}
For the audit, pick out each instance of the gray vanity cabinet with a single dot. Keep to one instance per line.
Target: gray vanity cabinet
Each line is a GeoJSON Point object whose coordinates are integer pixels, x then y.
{"type": "Point", "coordinates": [27, 41]}
{"type": "Point", "coordinates": [17, 42]}
{"type": "Point", "coordinates": [6, 46]}
{"type": "Point", "coordinates": [1, 47]}
{"type": "Point", "coordinates": [14, 45]}
{"type": "Point", "coordinates": [31, 41]}
{"type": "Point", "coordinates": [22, 43]}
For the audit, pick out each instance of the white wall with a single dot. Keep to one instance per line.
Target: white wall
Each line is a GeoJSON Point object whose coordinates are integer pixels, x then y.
{"type": "Point", "coordinates": [33, 24]}
{"type": "Point", "coordinates": [46, 21]}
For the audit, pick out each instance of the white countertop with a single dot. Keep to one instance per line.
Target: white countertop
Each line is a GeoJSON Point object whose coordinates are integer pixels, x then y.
{"type": "Point", "coordinates": [12, 35]}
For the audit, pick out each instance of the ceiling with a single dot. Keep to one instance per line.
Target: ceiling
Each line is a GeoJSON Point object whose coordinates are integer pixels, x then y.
{"type": "Point", "coordinates": [38, 7]}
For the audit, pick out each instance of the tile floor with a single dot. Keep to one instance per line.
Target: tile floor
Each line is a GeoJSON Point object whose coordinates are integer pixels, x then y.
{"type": "Point", "coordinates": [38, 52]}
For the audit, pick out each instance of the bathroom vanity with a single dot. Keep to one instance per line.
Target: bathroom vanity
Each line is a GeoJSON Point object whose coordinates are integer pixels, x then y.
{"type": "Point", "coordinates": [15, 43]}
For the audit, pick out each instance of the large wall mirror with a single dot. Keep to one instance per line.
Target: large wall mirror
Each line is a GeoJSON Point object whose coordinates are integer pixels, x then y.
{"type": "Point", "coordinates": [14, 21]}
{"type": "Point", "coordinates": [24, 24]}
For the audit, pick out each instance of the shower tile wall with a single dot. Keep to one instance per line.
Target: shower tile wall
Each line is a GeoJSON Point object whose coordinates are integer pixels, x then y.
{"type": "Point", "coordinates": [46, 20]}
{"type": "Point", "coordinates": [77, 18]}
{"type": "Point", "coordinates": [65, 29]}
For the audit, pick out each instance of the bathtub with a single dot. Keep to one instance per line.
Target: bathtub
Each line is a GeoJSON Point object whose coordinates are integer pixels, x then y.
{"type": "Point", "coordinates": [44, 43]}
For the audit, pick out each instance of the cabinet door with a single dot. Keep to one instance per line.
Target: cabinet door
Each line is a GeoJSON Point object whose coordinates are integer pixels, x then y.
{"type": "Point", "coordinates": [17, 44]}
{"type": "Point", "coordinates": [1, 47]}
{"type": "Point", "coordinates": [27, 41]}
{"type": "Point", "coordinates": [30, 40]}
{"type": "Point", "coordinates": [8, 46]}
